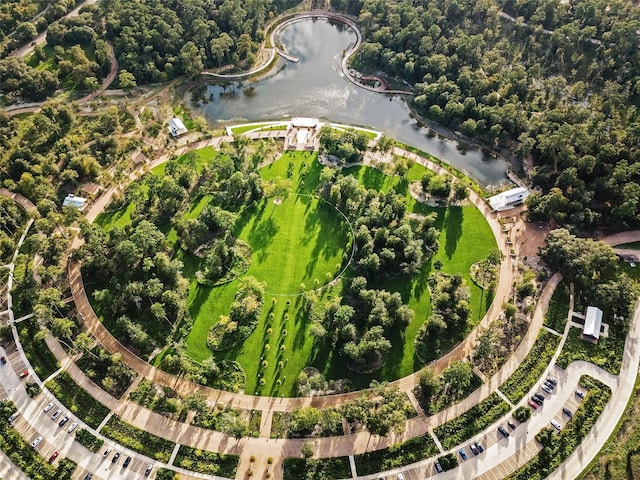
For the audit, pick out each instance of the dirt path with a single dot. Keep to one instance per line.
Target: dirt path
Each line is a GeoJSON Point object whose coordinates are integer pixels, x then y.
{"type": "Point", "coordinates": [113, 71]}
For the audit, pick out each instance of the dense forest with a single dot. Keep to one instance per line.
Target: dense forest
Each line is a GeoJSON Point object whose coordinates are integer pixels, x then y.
{"type": "Point", "coordinates": [158, 40]}
{"type": "Point", "coordinates": [22, 20]}
{"type": "Point", "coordinates": [76, 56]}
{"type": "Point", "coordinates": [557, 83]}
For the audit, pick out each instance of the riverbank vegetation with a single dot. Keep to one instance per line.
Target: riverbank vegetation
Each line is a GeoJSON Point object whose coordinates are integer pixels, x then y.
{"type": "Point", "coordinates": [556, 83]}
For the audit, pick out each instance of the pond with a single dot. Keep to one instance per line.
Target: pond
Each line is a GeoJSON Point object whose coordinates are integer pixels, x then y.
{"type": "Point", "coordinates": [315, 87]}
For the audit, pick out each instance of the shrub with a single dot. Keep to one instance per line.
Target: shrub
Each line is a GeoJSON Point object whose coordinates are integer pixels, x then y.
{"type": "Point", "coordinates": [522, 414]}
{"type": "Point", "coordinates": [89, 440]}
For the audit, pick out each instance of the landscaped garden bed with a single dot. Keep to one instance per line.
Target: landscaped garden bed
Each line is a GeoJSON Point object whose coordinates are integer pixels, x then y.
{"type": "Point", "coordinates": [139, 440]}
{"type": "Point", "coordinates": [471, 422]}
{"type": "Point", "coordinates": [77, 400]}
{"type": "Point", "coordinates": [396, 456]}
{"type": "Point", "coordinates": [107, 370]}
{"type": "Point", "coordinates": [531, 368]}
{"type": "Point", "coordinates": [88, 440]}
{"type": "Point", "coordinates": [326, 468]}
{"type": "Point", "coordinates": [556, 316]}
{"type": "Point", "coordinates": [207, 462]}
{"type": "Point", "coordinates": [35, 348]}
{"type": "Point", "coordinates": [606, 354]}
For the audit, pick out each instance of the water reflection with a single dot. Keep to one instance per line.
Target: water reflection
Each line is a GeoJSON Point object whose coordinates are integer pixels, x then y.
{"type": "Point", "coordinates": [315, 87]}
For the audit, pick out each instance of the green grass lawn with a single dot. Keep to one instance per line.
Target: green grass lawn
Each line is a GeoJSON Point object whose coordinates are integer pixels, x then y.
{"type": "Point", "coordinates": [304, 240]}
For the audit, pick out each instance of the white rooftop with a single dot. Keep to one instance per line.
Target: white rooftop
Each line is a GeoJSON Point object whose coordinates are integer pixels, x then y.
{"type": "Point", "coordinates": [303, 122]}
{"type": "Point", "coordinates": [508, 199]}
{"type": "Point", "coordinates": [75, 202]}
{"type": "Point", "coordinates": [176, 127]}
{"type": "Point", "coordinates": [592, 322]}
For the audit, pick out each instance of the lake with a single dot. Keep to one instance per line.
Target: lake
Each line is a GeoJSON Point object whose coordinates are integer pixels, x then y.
{"type": "Point", "coordinates": [315, 87]}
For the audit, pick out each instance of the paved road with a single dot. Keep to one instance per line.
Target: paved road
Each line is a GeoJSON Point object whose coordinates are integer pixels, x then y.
{"type": "Point", "coordinates": [42, 38]}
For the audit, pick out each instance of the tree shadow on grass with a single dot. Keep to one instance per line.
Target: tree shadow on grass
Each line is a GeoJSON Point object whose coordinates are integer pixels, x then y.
{"type": "Point", "coordinates": [329, 231]}
{"type": "Point", "coordinates": [261, 236]}
{"type": "Point", "coordinates": [453, 229]}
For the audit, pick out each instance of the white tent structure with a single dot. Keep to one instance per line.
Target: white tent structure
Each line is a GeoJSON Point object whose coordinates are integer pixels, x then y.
{"type": "Point", "coordinates": [592, 323]}
{"type": "Point", "coordinates": [509, 199]}
{"type": "Point", "coordinates": [176, 127]}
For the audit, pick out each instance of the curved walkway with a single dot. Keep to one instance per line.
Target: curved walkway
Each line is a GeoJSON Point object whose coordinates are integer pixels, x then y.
{"type": "Point", "coordinates": [113, 71]}
{"type": "Point", "coordinates": [21, 200]}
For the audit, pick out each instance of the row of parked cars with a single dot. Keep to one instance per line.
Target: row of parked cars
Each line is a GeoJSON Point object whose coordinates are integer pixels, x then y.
{"type": "Point", "coordinates": [57, 414]}
{"type": "Point", "coordinates": [126, 462]}
{"type": "Point", "coordinates": [537, 400]}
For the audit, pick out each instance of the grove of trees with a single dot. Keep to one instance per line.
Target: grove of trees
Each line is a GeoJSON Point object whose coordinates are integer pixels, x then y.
{"type": "Point", "coordinates": [159, 40]}
{"type": "Point", "coordinates": [558, 86]}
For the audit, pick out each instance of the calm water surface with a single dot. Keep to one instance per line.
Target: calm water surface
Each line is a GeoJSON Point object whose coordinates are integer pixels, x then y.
{"type": "Point", "coordinates": [315, 87]}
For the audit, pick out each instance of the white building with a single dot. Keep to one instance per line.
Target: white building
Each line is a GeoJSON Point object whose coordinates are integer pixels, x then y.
{"type": "Point", "coordinates": [509, 199]}
{"type": "Point", "coordinates": [592, 323]}
{"type": "Point", "coordinates": [176, 127]}
{"type": "Point", "coordinates": [75, 202]}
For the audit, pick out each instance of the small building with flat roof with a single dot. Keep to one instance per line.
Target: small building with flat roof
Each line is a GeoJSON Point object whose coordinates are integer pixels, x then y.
{"type": "Point", "coordinates": [176, 127]}
{"type": "Point", "coordinates": [75, 202]}
{"type": "Point", "coordinates": [592, 324]}
{"type": "Point", "coordinates": [509, 199]}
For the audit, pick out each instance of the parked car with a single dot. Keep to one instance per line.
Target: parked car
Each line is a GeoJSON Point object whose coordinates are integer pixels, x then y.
{"type": "Point", "coordinates": [72, 427]}
{"type": "Point", "coordinates": [13, 416]}
{"type": "Point", "coordinates": [539, 396]}
{"type": "Point", "coordinates": [88, 476]}
{"type": "Point", "coordinates": [63, 421]}
{"type": "Point", "coordinates": [36, 442]}
{"type": "Point", "coordinates": [126, 462]}
{"type": "Point", "coordinates": [473, 449]}
{"type": "Point", "coordinates": [462, 453]}
{"type": "Point", "coordinates": [3, 360]}
{"type": "Point", "coordinates": [533, 404]}
{"type": "Point", "coordinates": [503, 431]}
{"type": "Point", "coordinates": [567, 412]}
{"type": "Point", "coordinates": [115, 457]}
{"type": "Point", "coordinates": [48, 407]}
{"type": "Point", "coordinates": [546, 389]}
{"type": "Point", "coordinates": [24, 373]}
{"type": "Point", "coordinates": [479, 447]}
{"type": "Point", "coordinates": [556, 424]}
{"type": "Point", "coordinates": [400, 476]}
{"type": "Point", "coordinates": [537, 400]}
{"type": "Point", "coordinates": [512, 425]}
{"type": "Point", "coordinates": [106, 452]}
{"type": "Point", "coordinates": [53, 456]}
{"type": "Point", "coordinates": [549, 384]}
{"type": "Point", "coordinates": [579, 393]}
{"type": "Point", "coordinates": [552, 381]}
{"type": "Point", "coordinates": [56, 414]}
{"type": "Point", "coordinates": [150, 467]}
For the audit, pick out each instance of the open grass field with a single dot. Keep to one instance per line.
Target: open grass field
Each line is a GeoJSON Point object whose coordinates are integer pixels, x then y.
{"type": "Point", "coordinates": [304, 242]}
